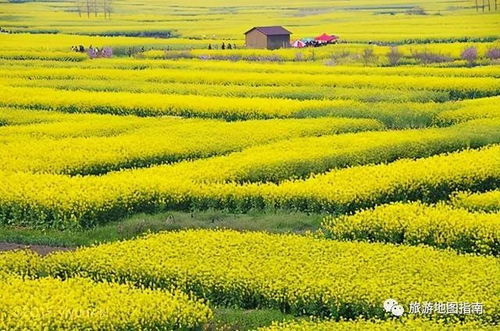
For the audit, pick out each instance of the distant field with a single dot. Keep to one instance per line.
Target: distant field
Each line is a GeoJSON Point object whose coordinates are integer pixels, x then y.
{"type": "Point", "coordinates": [238, 188]}
{"type": "Point", "coordinates": [361, 20]}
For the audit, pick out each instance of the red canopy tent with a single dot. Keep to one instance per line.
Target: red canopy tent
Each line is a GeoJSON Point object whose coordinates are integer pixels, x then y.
{"type": "Point", "coordinates": [325, 38]}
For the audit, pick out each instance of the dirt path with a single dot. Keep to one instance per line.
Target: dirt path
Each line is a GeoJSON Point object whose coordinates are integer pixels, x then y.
{"type": "Point", "coordinates": [40, 249]}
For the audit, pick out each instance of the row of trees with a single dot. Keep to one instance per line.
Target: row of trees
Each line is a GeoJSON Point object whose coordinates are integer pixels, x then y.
{"type": "Point", "coordinates": [94, 7]}
{"type": "Point", "coordinates": [470, 54]}
{"type": "Point", "coordinates": [395, 57]}
{"type": "Point", "coordinates": [486, 4]}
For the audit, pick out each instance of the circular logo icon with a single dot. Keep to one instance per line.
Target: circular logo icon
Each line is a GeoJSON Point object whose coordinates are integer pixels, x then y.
{"type": "Point", "coordinates": [388, 304]}
{"type": "Point", "coordinates": [397, 310]}
{"type": "Point", "coordinates": [392, 306]}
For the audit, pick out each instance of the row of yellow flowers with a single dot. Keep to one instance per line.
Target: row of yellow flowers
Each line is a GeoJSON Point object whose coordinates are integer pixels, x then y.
{"type": "Point", "coordinates": [459, 86]}
{"type": "Point", "coordinates": [87, 144]}
{"type": "Point", "coordinates": [80, 304]}
{"type": "Point", "coordinates": [487, 201]}
{"type": "Point", "coordinates": [92, 144]}
{"type": "Point", "coordinates": [48, 200]}
{"type": "Point", "coordinates": [156, 104]}
{"type": "Point", "coordinates": [377, 325]}
{"type": "Point", "coordinates": [25, 55]}
{"type": "Point", "coordinates": [415, 224]}
{"type": "Point", "coordinates": [469, 110]}
{"type": "Point", "coordinates": [401, 115]}
{"type": "Point", "coordinates": [297, 274]}
{"type": "Point", "coordinates": [37, 67]}
{"type": "Point", "coordinates": [364, 94]}
{"type": "Point", "coordinates": [300, 157]}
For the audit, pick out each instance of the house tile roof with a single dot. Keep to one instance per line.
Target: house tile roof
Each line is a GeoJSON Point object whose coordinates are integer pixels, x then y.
{"type": "Point", "coordinates": [270, 30]}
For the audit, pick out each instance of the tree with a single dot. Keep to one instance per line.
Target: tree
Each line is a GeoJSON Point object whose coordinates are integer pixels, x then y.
{"type": "Point", "coordinates": [394, 56]}
{"type": "Point", "coordinates": [493, 53]}
{"type": "Point", "coordinates": [88, 8]}
{"type": "Point", "coordinates": [107, 8]}
{"type": "Point", "coordinates": [79, 8]}
{"type": "Point", "coordinates": [368, 56]}
{"type": "Point", "coordinates": [94, 6]}
{"type": "Point", "coordinates": [470, 55]}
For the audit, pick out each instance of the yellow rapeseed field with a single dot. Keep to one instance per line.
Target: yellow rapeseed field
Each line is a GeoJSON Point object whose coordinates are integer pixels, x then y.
{"type": "Point", "coordinates": [121, 117]}
{"type": "Point", "coordinates": [375, 325]}
{"type": "Point", "coordinates": [415, 224]}
{"type": "Point", "coordinates": [77, 304]}
{"type": "Point", "coordinates": [298, 274]}
{"type": "Point", "coordinates": [487, 201]}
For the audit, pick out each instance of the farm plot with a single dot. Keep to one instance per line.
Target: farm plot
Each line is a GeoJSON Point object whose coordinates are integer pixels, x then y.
{"type": "Point", "coordinates": [298, 274]}
{"type": "Point", "coordinates": [49, 200]}
{"type": "Point", "coordinates": [82, 304]}
{"type": "Point", "coordinates": [309, 184]}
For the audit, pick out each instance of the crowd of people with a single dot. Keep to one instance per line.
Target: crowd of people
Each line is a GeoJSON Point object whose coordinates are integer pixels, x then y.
{"type": "Point", "coordinates": [315, 43]}
{"type": "Point", "coordinates": [223, 46]}
{"type": "Point", "coordinates": [93, 52]}
{"type": "Point", "coordinates": [79, 49]}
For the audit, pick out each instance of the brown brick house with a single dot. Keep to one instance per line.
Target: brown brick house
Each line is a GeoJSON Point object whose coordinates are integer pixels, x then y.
{"type": "Point", "coordinates": [270, 37]}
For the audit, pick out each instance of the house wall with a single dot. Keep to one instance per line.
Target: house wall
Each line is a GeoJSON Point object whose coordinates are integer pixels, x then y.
{"type": "Point", "coordinates": [278, 41]}
{"type": "Point", "coordinates": [256, 39]}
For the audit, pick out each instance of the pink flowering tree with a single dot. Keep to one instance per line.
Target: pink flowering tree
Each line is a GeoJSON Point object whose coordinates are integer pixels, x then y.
{"type": "Point", "coordinates": [470, 55]}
